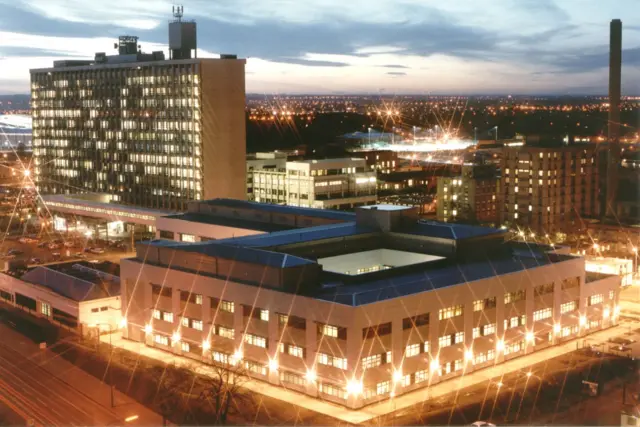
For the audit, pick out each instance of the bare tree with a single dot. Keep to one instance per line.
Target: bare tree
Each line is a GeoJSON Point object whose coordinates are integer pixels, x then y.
{"type": "Point", "coordinates": [224, 390]}
{"type": "Point", "coordinates": [174, 387]}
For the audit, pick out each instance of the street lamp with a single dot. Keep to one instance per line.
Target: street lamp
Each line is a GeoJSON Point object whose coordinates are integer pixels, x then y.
{"type": "Point", "coordinates": [496, 129]}
{"type": "Point", "coordinates": [369, 129]}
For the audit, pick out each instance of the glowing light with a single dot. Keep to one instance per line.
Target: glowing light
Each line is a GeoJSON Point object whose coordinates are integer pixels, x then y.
{"type": "Point", "coordinates": [354, 387]}
{"type": "Point", "coordinates": [176, 337]}
{"type": "Point", "coordinates": [131, 418]}
{"type": "Point", "coordinates": [529, 374]}
{"type": "Point", "coordinates": [606, 313]}
{"type": "Point", "coordinates": [397, 376]}
{"type": "Point", "coordinates": [634, 250]}
{"type": "Point", "coordinates": [123, 322]}
{"type": "Point", "coordinates": [500, 384]}
{"type": "Point", "coordinates": [596, 246]}
{"type": "Point", "coordinates": [521, 233]}
{"type": "Point", "coordinates": [533, 235]}
{"type": "Point", "coordinates": [468, 355]}
{"type": "Point", "coordinates": [206, 345]}
{"type": "Point", "coordinates": [583, 320]}
{"type": "Point", "coordinates": [238, 355]}
{"type": "Point", "coordinates": [434, 365]}
{"type": "Point", "coordinates": [500, 345]}
{"type": "Point", "coordinates": [147, 328]}
{"type": "Point", "coordinates": [616, 311]}
{"type": "Point", "coordinates": [529, 336]}
{"type": "Point", "coordinates": [557, 328]}
{"type": "Point", "coordinates": [88, 233]}
{"type": "Point", "coordinates": [273, 365]}
{"type": "Point", "coordinates": [311, 375]}
{"type": "Point", "coordinates": [27, 172]}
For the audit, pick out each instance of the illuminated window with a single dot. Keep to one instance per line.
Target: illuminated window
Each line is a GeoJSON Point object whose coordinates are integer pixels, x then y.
{"type": "Point", "coordinates": [161, 339]}
{"type": "Point", "coordinates": [330, 331]}
{"type": "Point", "coordinates": [225, 332]}
{"type": "Point", "coordinates": [45, 309]}
{"type": "Point", "coordinates": [256, 340]}
{"type": "Point", "coordinates": [595, 299]}
{"type": "Point", "coordinates": [511, 297]}
{"type": "Point", "coordinates": [542, 314]}
{"type": "Point", "coordinates": [227, 306]}
{"type": "Point", "coordinates": [450, 312]}
{"type": "Point", "coordinates": [412, 350]}
{"type": "Point", "coordinates": [371, 361]}
{"type": "Point", "coordinates": [264, 315]}
{"type": "Point", "coordinates": [568, 306]}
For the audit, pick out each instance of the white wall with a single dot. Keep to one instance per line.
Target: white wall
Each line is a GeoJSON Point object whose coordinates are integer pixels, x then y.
{"type": "Point", "coordinates": [376, 257]}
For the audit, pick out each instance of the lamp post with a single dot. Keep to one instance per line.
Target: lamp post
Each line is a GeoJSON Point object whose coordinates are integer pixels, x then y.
{"type": "Point", "coordinates": [113, 405]}
{"type": "Point", "coordinates": [496, 129]}
{"type": "Point", "coordinates": [369, 129]}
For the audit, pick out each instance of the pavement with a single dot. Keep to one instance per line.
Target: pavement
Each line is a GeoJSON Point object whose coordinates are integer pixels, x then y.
{"type": "Point", "coordinates": [39, 387]}
{"type": "Point", "coordinates": [388, 406]}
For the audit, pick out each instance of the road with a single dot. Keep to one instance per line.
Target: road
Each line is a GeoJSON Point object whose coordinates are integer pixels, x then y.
{"type": "Point", "coordinates": [30, 393]}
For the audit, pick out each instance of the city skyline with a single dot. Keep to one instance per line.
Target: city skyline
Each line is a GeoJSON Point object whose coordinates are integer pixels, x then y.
{"type": "Point", "coordinates": [324, 47]}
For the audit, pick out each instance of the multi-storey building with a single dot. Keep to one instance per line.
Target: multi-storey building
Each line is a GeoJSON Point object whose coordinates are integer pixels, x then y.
{"type": "Point", "coordinates": [323, 184]}
{"type": "Point", "coordinates": [381, 161]}
{"type": "Point", "coordinates": [360, 311]}
{"type": "Point", "coordinates": [149, 131]}
{"type": "Point", "coordinates": [470, 197]}
{"type": "Point", "coordinates": [549, 188]}
{"type": "Point", "coordinates": [274, 162]}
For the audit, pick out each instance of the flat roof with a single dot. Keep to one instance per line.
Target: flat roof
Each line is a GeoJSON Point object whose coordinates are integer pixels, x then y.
{"type": "Point", "coordinates": [430, 278]}
{"type": "Point", "coordinates": [247, 224]}
{"type": "Point", "coordinates": [83, 206]}
{"type": "Point", "coordinates": [134, 64]}
{"type": "Point", "coordinates": [357, 263]}
{"type": "Point", "coordinates": [290, 210]}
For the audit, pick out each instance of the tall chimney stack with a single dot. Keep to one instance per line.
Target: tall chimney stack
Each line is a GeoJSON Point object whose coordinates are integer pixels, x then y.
{"type": "Point", "coordinates": [615, 71]}
{"type": "Point", "coordinates": [613, 154]}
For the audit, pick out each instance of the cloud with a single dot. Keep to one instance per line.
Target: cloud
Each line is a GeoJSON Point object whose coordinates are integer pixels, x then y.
{"type": "Point", "coordinates": [393, 66]}
{"type": "Point", "coordinates": [312, 63]}
{"type": "Point", "coordinates": [396, 73]}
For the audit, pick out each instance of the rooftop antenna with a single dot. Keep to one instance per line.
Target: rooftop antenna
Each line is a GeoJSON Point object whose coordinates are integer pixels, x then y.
{"type": "Point", "coordinates": [178, 12]}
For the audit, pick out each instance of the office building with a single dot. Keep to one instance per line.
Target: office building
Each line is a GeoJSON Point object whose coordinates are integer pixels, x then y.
{"type": "Point", "coordinates": [381, 161]}
{"type": "Point", "coordinates": [360, 311]}
{"type": "Point", "coordinates": [549, 188]}
{"type": "Point", "coordinates": [324, 184]}
{"type": "Point", "coordinates": [275, 161]}
{"type": "Point", "coordinates": [471, 197]}
{"type": "Point", "coordinates": [148, 131]}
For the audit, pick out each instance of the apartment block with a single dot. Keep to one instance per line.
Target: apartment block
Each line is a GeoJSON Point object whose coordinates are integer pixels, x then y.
{"type": "Point", "coordinates": [470, 197]}
{"type": "Point", "coordinates": [549, 189]}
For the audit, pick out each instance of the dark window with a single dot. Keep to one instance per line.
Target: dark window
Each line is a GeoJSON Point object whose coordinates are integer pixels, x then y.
{"type": "Point", "coordinates": [379, 330]}
{"type": "Point", "coordinates": [164, 234]}
{"type": "Point", "coordinates": [6, 296]}
{"type": "Point", "coordinates": [65, 318]}
{"type": "Point", "coordinates": [543, 290]}
{"type": "Point", "coordinates": [158, 290]}
{"type": "Point", "coordinates": [104, 308]}
{"type": "Point", "coordinates": [415, 321]}
{"type": "Point", "coordinates": [25, 301]}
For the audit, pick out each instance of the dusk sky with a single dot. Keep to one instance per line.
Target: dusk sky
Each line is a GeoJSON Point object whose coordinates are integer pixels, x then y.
{"type": "Point", "coordinates": [349, 46]}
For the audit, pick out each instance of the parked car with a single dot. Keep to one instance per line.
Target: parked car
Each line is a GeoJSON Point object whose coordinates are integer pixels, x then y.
{"type": "Point", "coordinates": [14, 252]}
{"type": "Point", "coordinates": [97, 250]}
{"type": "Point", "coordinates": [23, 240]}
{"type": "Point", "coordinates": [35, 261]}
{"type": "Point", "coordinates": [80, 255]}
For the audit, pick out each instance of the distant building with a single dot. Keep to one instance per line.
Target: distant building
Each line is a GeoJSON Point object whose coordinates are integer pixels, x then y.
{"type": "Point", "coordinates": [273, 162]}
{"type": "Point", "coordinates": [549, 188]}
{"type": "Point", "coordinates": [151, 132]}
{"type": "Point", "coordinates": [470, 197]}
{"type": "Point", "coordinates": [322, 184]}
{"type": "Point", "coordinates": [381, 161]}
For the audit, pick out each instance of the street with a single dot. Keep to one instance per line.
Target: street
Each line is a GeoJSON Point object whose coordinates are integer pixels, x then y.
{"type": "Point", "coordinates": [32, 393]}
